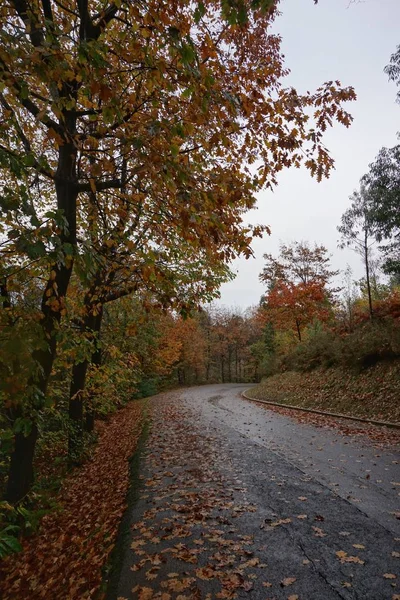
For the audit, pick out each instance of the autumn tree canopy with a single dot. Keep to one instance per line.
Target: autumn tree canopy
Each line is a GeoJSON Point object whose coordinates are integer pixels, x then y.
{"type": "Point", "coordinates": [298, 286]}
{"type": "Point", "coordinates": [129, 127]}
{"type": "Point", "coordinates": [299, 262]}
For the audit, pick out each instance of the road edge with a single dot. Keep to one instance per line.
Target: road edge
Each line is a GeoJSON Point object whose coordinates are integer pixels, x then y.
{"type": "Point", "coordinates": [111, 573]}
{"type": "Point", "coordinates": [321, 412]}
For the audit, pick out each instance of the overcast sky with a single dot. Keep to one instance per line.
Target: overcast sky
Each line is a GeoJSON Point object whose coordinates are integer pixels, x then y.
{"type": "Point", "coordinates": [352, 42]}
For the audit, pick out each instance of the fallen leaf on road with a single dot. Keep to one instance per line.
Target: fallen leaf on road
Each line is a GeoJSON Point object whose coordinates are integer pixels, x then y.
{"type": "Point", "coordinates": [144, 593]}
{"type": "Point", "coordinates": [280, 522]}
{"type": "Point", "coordinates": [248, 586]}
{"type": "Point", "coordinates": [349, 559]}
{"type": "Point", "coordinates": [319, 532]}
{"type": "Point", "coordinates": [288, 581]}
{"type": "Point", "coordinates": [205, 573]}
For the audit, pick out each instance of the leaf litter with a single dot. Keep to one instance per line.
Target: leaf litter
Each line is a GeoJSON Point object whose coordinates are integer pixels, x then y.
{"type": "Point", "coordinates": [65, 558]}
{"type": "Point", "coordinates": [190, 521]}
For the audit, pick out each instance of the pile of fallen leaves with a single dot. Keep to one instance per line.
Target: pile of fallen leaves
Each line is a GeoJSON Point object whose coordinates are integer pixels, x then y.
{"type": "Point", "coordinates": [65, 558]}
{"type": "Point", "coordinates": [186, 540]}
{"type": "Point", "coordinates": [372, 394]}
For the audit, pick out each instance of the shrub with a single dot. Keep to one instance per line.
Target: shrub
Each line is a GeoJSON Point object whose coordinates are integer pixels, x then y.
{"type": "Point", "coordinates": [371, 342]}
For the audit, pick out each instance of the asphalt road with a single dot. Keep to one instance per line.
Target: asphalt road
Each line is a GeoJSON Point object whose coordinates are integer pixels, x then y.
{"type": "Point", "coordinates": [239, 501]}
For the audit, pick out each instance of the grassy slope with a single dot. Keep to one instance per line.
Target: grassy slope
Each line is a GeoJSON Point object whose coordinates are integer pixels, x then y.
{"type": "Point", "coordinates": [374, 393]}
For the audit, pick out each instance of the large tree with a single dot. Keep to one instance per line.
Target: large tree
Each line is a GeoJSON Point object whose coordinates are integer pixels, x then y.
{"type": "Point", "coordinates": [157, 109]}
{"type": "Point", "coordinates": [358, 231]}
{"type": "Point", "coordinates": [383, 182]}
{"type": "Point", "coordinates": [298, 283]}
{"type": "Point", "coordinates": [299, 262]}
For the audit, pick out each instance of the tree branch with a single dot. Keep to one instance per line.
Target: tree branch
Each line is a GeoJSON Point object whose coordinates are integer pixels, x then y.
{"type": "Point", "coordinates": [31, 24]}
{"type": "Point", "coordinates": [36, 166]}
{"type": "Point", "coordinates": [47, 11]}
{"type": "Point", "coordinates": [26, 143]}
{"type": "Point", "coordinates": [30, 106]}
{"type": "Point", "coordinates": [100, 186]}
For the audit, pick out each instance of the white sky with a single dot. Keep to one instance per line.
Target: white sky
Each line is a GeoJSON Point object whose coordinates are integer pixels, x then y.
{"type": "Point", "coordinates": [352, 42]}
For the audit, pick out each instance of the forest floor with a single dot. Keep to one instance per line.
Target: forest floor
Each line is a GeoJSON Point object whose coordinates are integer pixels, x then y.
{"type": "Point", "coordinates": [372, 394]}
{"type": "Point", "coordinates": [66, 557]}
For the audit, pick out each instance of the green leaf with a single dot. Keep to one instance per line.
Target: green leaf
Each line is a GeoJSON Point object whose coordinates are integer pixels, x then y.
{"type": "Point", "coordinates": [24, 93]}
{"type": "Point", "coordinates": [188, 54]}
{"type": "Point", "coordinates": [9, 545]}
{"type": "Point", "coordinates": [29, 160]}
{"type": "Point", "coordinates": [23, 425]}
{"type": "Point", "coordinates": [174, 150]}
{"type": "Point", "coordinates": [199, 12]}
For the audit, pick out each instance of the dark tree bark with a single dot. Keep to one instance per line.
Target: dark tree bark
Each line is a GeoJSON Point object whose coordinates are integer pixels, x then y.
{"type": "Point", "coordinates": [90, 414]}
{"type": "Point", "coordinates": [298, 329]}
{"type": "Point", "coordinates": [21, 474]}
{"type": "Point", "coordinates": [91, 325]}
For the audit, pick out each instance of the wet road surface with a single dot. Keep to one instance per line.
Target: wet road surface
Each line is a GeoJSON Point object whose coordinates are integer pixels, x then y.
{"type": "Point", "coordinates": [239, 501]}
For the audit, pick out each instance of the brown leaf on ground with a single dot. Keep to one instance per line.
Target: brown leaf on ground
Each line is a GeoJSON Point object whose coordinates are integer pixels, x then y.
{"type": "Point", "coordinates": [64, 559]}
{"type": "Point", "coordinates": [344, 558]}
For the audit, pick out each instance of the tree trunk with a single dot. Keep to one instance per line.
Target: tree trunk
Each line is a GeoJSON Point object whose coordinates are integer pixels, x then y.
{"type": "Point", "coordinates": [75, 410]}
{"type": "Point", "coordinates": [90, 326]}
{"type": "Point", "coordinates": [298, 329]}
{"type": "Point", "coordinates": [96, 362]}
{"type": "Point", "coordinates": [371, 312]}
{"type": "Point", "coordinates": [20, 475]}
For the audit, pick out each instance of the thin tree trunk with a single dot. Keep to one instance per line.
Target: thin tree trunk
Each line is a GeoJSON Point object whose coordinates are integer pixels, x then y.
{"type": "Point", "coordinates": [90, 326]}
{"type": "Point", "coordinates": [236, 365]}
{"type": "Point", "coordinates": [298, 329]}
{"type": "Point", "coordinates": [371, 312]}
{"type": "Point", "coordinates": [96, 362]}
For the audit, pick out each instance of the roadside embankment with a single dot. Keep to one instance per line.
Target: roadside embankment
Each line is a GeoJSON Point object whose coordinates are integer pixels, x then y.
{"type": "Point", "coordinates": [371, 394]}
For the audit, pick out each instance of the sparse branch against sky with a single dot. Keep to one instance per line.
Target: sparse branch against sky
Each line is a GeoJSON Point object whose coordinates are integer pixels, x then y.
{"type": "Point", "coordinates": [351, 42]}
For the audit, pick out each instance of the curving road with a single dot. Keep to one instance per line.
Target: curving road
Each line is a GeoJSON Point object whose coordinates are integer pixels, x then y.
{"type": "Point", "coordinates": [367, 477]}
{"type": "Point", "coordinates": [239, 501]}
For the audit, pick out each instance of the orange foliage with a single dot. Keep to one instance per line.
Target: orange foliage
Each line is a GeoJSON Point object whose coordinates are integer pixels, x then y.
{"type": "Point", "coordinates": [294, 306]}
{"type": "Point", "coordinates": [65, 559]}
